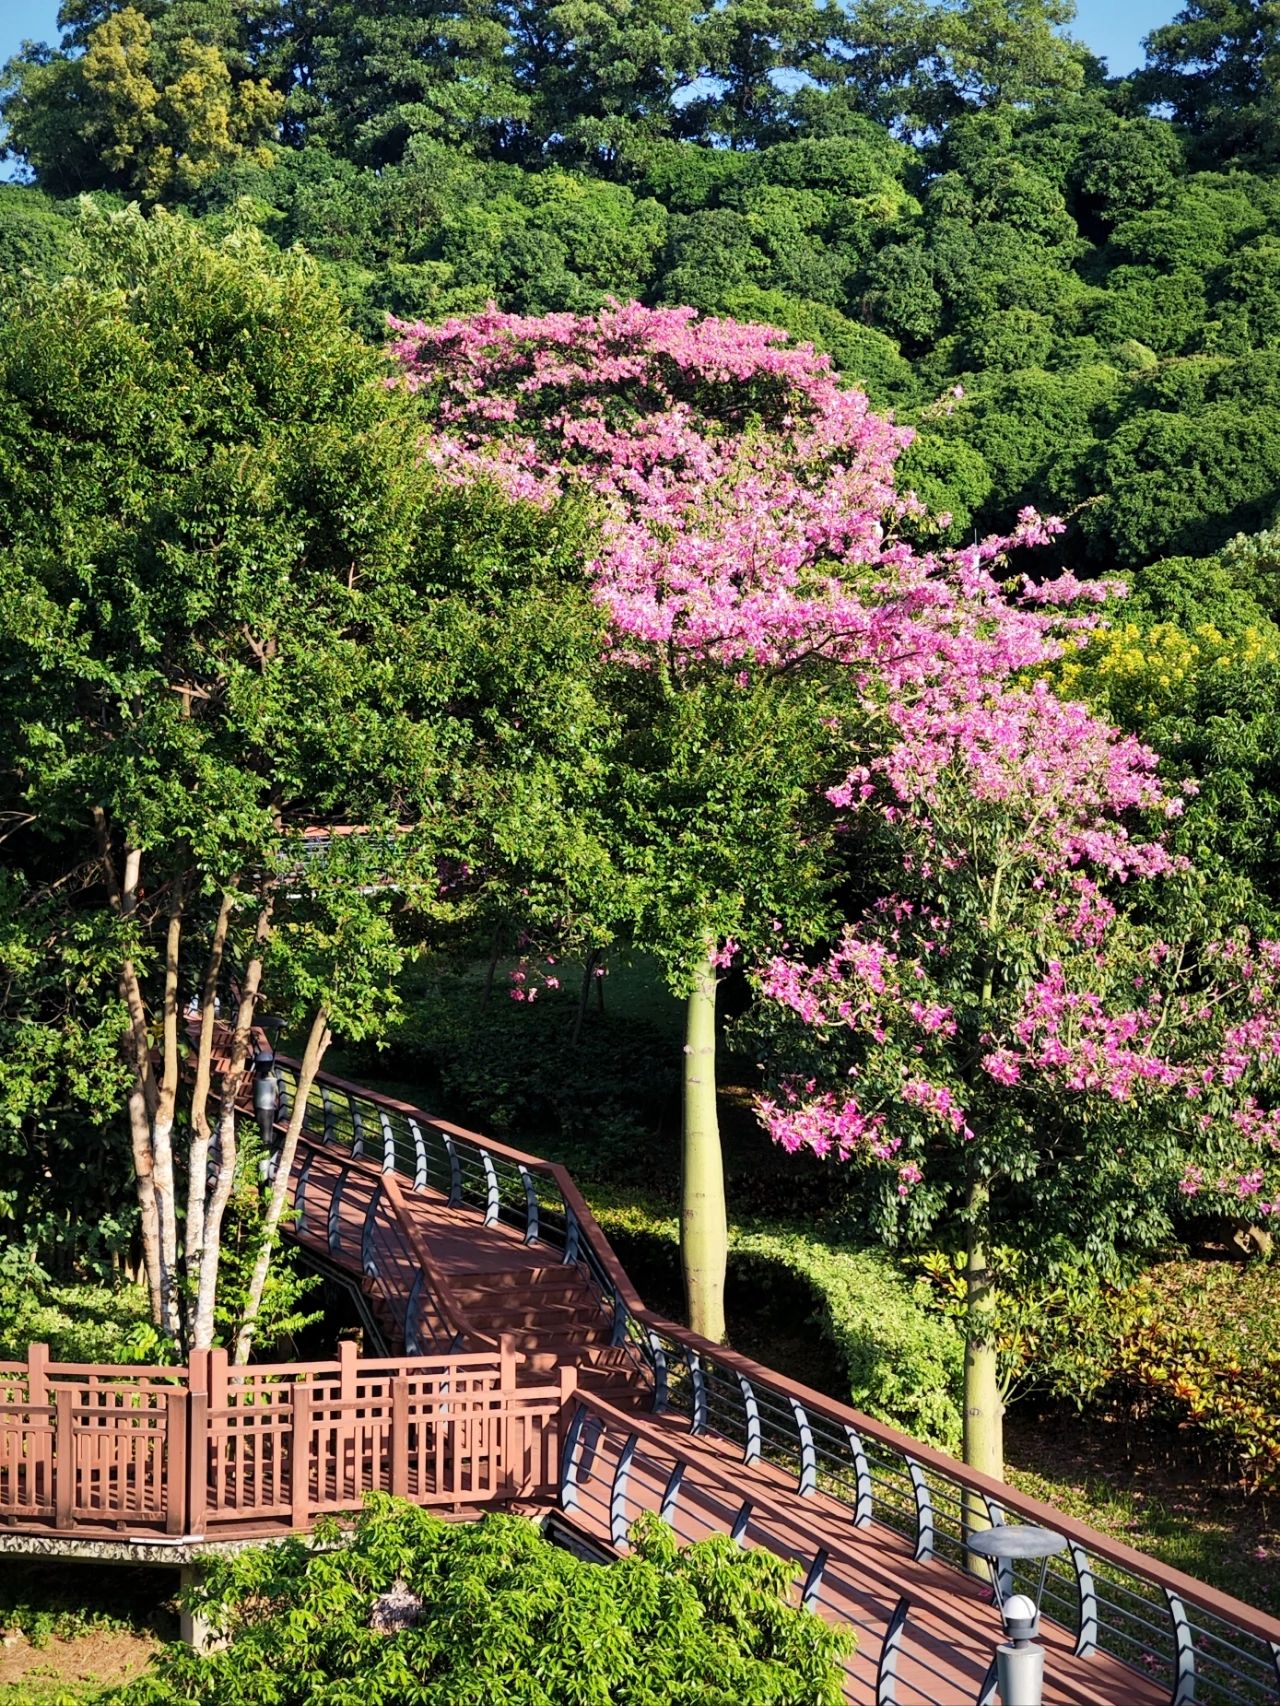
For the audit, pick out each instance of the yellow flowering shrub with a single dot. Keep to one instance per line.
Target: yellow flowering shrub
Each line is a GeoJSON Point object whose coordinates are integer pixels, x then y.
{"type": "Point", "coordinates": [1137, 674]}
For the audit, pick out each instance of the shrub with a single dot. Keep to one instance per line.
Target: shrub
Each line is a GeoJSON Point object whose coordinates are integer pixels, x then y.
{"type": "Point", "coordinates": [1189, 1342]}
{"type": "Point", "coordinates": [79, 1323]}
{"type": "Point", "coordinates": [412, 1608]}
{"type": "Point", "coordinates": [515, 1070]}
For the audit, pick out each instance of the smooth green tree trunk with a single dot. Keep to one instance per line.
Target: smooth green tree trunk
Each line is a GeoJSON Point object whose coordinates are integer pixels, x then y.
{"type": "Point", "coordinates": [704, 1232]}
{"type": "Point", "coordinates": [983, 1405]}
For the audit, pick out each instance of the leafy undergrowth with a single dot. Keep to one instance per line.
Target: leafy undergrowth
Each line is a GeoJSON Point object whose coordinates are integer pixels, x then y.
{"type": "Point", "coordinates": [1192, 1348]}
{"type": "Point", "coordinates": [79, 1323]}
{"type": "Point", "coordinates": [476, 1613]}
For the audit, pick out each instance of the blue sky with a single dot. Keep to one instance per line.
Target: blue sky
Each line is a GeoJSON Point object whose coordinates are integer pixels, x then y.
{"type": "Point", "coordinates": [1113, 28]}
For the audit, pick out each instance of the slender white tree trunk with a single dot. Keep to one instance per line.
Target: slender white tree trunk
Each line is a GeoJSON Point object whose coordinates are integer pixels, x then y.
{"type": "Point", "coordinates": [198, 1153]}
{"type": "Point", "coordinates": [166, 1193]}
{"type": "Point", "coordinates": [141, 1099]}
{"type": "Point", "coordinates": [202, 1323]}
{"type": "Point", "coordinates": [144, 1185]}
{"type": "Point", "coordinates": [317, 1042]}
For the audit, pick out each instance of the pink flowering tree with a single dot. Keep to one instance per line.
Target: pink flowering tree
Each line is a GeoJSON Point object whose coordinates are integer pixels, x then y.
{"type": "Point", "coordinates": [1007, 1039]}
{"type": "Point", "coordinates": [769, 604]}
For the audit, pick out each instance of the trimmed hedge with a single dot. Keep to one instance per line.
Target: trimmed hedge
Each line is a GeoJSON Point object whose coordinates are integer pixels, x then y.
{"type": "Point", "coordinates": [900, 1361]}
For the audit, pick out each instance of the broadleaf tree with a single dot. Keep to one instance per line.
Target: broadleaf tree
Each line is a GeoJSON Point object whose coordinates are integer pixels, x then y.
{"type": "Point", "coordinates": [238, 610]}
{"type": "Point", "coordinates": [760, 595]}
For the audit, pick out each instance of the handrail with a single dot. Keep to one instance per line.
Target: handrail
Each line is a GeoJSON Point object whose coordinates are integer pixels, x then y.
{"type": "Point", "coordinates": [881, 1473]}
{"type": "Point", "coordinates": [781, 1528]}
{"type": "Point", "coordinates": [436, 1282]}
{"type": "Point", "coordinates": [216, 1449]}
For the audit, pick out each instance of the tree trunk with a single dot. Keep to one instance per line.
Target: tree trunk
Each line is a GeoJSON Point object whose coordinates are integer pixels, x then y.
{"type": "Point", "coordinates": [983, 1407]}
{"type": "Point", "coordinates": [144, 1184]}
{"type": "Point", "coordinates": [162, 1125]}
{"type": "Point", "coordinates": [584, 994]}
{"type": "Point", "coordinates": [312, 1055]}
{"type": "Point", "coordinates": [202, 1323]}
{"type": "Point", "coordinates": [704, 1232]}
{"type": "Point", "coordinates": [198, 1153]}
{"type": "Point", "coordinates": [141, 1100]}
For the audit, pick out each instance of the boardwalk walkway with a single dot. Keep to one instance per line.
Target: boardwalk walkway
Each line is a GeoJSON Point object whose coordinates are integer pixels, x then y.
{"type": "Point", "coordinates": [510, 1362]}
{"type": "Point", "coordinates": [461, 1242]}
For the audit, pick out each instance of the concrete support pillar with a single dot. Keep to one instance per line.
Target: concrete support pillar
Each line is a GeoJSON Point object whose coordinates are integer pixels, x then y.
{"type": "Point", "coordinates": [193, 1627]}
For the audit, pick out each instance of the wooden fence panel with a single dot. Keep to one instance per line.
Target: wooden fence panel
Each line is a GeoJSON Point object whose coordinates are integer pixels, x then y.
{"type": "Point", "coordinates": [218, 1450]}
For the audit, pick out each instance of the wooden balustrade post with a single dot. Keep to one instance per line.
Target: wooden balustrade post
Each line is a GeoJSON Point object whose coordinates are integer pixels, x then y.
{"type": "Point", "coordinates": [347, 1430]}
{"type": "Point", "coordinates": [39, 1445]}
{"type": "Point", "coordinates": [348, 1353]}
{"type": "Point", "coordinates": [64, 1458]}
{"type": "Point", "coordinates": [37, 1375]}
{"type": "Point", "coordinates": [399, 1441]}
{"type": "Point", "coordinates": [217, 1378]}
{"type": "Point", "coordinates": [175, 1463]}
{"type": "Point", "coordinates": [197, 1441]}
{"type": "Point", "coordinates": [508, 1357]}
{"type": "Point", "coordinates": [300, 1453]}
{"type": "Point", "coordinates": [558, 1437]}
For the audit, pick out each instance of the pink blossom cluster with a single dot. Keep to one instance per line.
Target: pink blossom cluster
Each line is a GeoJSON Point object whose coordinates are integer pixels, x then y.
{"type": "Point", "coordinates": [527, 980]}
{"type": "Point", "coordinates": [1196, 1044]}
{"type": "Point", "coordinates": [1064, 780]}
{"type": "Point", "coordinates": [748, 507]}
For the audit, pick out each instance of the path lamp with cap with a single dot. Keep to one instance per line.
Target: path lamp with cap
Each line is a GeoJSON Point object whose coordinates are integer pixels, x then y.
{"type": "Point", "coordinates": [266, 1094]}
{"type": "Point", "coordinates": [1020, 1661]}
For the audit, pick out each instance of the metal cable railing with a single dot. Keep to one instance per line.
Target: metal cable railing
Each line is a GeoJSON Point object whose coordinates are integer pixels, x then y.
{"type": "Point", "coordinates": [1195, 1643]}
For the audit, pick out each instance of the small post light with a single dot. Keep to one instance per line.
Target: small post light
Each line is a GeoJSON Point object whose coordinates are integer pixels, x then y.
{"type": "Point", "coordinates": [266, 1100]}
{"type": "Point", "coordinates": [1020, 1662]}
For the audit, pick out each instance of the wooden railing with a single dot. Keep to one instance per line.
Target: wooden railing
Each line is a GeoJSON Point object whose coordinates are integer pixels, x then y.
{"type": "Point", "coordinates": [1195, 1642]}
{"type": "Point", "coordinates": [208, 1450]}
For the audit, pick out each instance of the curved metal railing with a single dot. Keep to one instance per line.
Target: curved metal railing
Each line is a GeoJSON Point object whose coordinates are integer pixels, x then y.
{"type": "Point", "coordinates": [1196, 1644]}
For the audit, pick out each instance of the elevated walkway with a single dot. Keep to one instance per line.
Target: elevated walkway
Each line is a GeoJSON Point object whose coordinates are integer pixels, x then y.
{"type": "Point", "coordinates": [521, 1369]}
{"type": "Point", "coordinates": [464, 1243]}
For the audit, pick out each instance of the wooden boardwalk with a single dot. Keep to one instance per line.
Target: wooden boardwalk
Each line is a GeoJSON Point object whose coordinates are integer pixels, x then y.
{"type": "Point", "coordinates": [926, 1629]}
{"type": "Point", "coordinates": [514, 1364]}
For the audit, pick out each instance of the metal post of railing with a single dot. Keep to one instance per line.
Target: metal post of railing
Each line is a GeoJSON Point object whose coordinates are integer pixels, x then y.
{"type": "Point", "coordinates": [530, 1205]}
{"type": "Point", "coordinates": [618, 1493]}
{"type": "Point", "coordinates": [863, 1487]}
{"type": "Point", "coordinates": [924, 1512]}
{"type": "Point", "coordinates": [890, 1651]}
{"type": "Point", "coordinates": [1184, 1653]}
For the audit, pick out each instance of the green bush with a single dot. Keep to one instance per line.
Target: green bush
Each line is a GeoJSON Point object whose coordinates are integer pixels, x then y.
{"type": "Point", "coordinates": [1188, 1343]}
{"type": "Point", "coordinates": [416, 1610]}
{"type": "Point", "coordinates": [79, 1323]}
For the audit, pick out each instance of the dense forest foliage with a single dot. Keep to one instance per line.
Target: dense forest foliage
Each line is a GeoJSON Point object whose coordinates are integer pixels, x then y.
{"type": "Point", "coordinates": [974, 212]}
{"type": "Point", "coordinates": [1067, 283]}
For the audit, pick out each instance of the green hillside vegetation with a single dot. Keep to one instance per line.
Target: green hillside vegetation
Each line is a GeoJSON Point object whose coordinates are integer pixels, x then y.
{"type": "Point", "coordinates": [1067, 281]}
{"type": "Point", "coordinates": [979, 207]}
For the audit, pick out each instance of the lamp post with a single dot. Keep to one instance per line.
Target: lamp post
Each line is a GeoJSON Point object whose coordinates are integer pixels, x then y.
{"type": "Point", "coordinates": [1020, 1661]}
{"type": "Point", "coordinates": [266, 1092]}
{"type": "Point", "coordinates": [266, 1099]}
